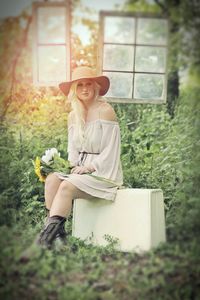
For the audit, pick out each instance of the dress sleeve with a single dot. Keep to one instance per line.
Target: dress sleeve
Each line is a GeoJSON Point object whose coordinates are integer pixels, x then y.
{"type": "Point", "coordinates": [107, 164]}
{"type": "Point", "coordinates": [73, 154]}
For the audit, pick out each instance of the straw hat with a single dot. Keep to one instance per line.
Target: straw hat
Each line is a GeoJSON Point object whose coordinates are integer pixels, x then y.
{"type": "Point", "coordinates": [86, 73]}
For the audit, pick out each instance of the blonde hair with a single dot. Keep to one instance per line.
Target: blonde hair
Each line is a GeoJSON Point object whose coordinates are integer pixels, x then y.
{"type": "Point", "coordinates": [79, 110]}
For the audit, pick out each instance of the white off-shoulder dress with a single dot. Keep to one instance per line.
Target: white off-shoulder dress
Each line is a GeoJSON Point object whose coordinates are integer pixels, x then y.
{"type": "Point", "coordinates": [101, 149]}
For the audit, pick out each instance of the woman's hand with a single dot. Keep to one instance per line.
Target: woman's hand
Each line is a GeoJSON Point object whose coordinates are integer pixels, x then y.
{"type": "Point", "coordinates": [82, 170]}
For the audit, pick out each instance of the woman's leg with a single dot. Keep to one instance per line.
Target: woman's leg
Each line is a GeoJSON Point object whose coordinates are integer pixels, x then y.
{"type": "Point", "coordinates": [62, 202]}
{"type": "Point", "coordinates": [60, 209]}
{"type": "Point", "coordinates": [52, 184]}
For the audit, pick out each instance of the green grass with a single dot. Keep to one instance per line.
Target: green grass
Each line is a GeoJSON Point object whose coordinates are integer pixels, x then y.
{"type": "Point", "coordinates": [82, 272]}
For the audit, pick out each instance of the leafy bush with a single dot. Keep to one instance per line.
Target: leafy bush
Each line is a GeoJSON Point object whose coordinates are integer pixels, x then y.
{"type": "Point", "coordinates": [40, 124]}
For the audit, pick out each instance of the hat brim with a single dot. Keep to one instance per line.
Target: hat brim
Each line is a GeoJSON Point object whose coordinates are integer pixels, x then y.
{"type": "Point", "coordinates": [103, 81]}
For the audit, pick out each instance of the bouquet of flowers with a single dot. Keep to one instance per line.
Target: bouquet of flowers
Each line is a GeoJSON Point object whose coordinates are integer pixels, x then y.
{"type": "Point", "coordinates": [50, 162]}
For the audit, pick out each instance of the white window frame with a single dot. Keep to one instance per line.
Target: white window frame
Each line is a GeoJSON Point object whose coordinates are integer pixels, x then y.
{"type": "Point", "coordinates": [102, 16]}
{"type": "Point", "coordinates": [35, 6]}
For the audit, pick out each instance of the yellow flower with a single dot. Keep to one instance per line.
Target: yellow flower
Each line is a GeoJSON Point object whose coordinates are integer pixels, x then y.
{"type": "Point", "coordinates": [37, 169]}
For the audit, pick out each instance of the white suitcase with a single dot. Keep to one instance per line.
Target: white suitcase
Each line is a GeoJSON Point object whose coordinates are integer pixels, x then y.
{"type": "Point", "coordinates": [136, 219]}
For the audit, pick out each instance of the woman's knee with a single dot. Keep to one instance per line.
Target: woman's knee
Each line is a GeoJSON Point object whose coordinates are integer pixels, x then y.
{"type": "Point", "coordinates": [67, 188]}
{"type": "Point", "coordinates": [51, 179]}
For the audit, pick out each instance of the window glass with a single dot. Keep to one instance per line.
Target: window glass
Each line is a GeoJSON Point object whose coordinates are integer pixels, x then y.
{"type": "Point", "coordinates": [152, 31]}
{"type": "Point", "coordinates": [51, 49]}
{"type": "Point", "coordinates": [118, 57]}
{"type": "Point", "coordinates": [119, 30]}
{"type": "Point", "coordinates": [51, 25]}
{"type": "Point", "coordinates": [150, 59]}
{"type": "Point", "coordinates": [52, 63]}
{"type": "Point", "coordinates": [120, 84]}
{"type": "Point", "coordinates": [134, 56]}
{"type": "Point", "coordinates": [149, 86]}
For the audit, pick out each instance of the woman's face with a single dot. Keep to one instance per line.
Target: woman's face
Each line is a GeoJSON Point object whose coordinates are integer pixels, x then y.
{"type": "Point", "coordinates": [85, 90]}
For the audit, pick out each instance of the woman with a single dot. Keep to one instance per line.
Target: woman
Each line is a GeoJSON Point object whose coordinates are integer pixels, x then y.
{"type": "Point", "coordinates": [93, 149]}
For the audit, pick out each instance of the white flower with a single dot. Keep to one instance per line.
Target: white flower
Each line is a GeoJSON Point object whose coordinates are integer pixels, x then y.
{"type": "Point", "coordinates": [49, 154]}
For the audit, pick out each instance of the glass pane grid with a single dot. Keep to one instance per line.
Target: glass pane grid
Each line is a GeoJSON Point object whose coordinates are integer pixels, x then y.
{"type": "Point", "coordinates": [51, 43]}
{"type": "Point", "coordinates": [142, 72]}
{"type": "Point", "coordinates": [136, 86]}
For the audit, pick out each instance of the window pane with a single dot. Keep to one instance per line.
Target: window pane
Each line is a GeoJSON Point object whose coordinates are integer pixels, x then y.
{"type": "Point", "coordinates": [120, 84]}
{"type": "Point", "coordinates": [52, 63]}
{"type": "Point", "coordinates": [119, 30]}
{"type": "Point", "coordinates": [117, 57]}
{"type": "Point", "coordinates": [150, 59]}
{"type": "Point", "coordinates": [51, 25]}
{"type": "Point", "coordinates": [152, 31]}
{"type": "Point", "coordinates": [149, 86]}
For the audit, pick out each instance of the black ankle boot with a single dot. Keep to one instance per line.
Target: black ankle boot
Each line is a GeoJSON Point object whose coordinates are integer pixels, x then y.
{"type": "Point", "coordinates": [62, 234]}
{"type": "Point", "coordinates": [54, 228]}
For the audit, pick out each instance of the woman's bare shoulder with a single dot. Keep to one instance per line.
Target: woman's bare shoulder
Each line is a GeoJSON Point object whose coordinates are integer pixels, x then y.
{"type": "Point", "coordinates": [107, 112]}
